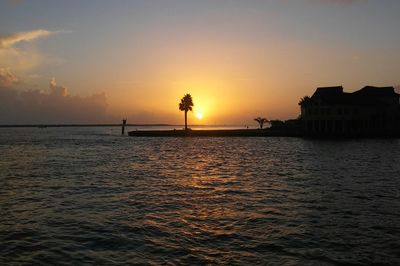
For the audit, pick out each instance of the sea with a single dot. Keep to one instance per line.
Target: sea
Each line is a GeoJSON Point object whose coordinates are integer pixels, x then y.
{"type": "Point", "coordinates": [88, 195]}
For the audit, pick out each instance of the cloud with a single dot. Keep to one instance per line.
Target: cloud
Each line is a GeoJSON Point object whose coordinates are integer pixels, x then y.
{"type": "Point", "coordinates": [52, 106]}
{"type": "Point", "coordinates": [25, 57]}
{"type": "Point", "coordinates": [7, 78]}
{"type": "Point", "coordinates": [57, 90]}
{"type": "Point", "coordinates": [7, 41]}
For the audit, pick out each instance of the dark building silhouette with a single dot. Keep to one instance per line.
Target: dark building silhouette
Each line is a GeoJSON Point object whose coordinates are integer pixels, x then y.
{"type": "Point", "coordinates": [371, 111]}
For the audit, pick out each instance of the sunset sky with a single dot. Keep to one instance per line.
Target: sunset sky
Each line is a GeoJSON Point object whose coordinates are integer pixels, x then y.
{"type": "Point", "coordinates": [98, 61]}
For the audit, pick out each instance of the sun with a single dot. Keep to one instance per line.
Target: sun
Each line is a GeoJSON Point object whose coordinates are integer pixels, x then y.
{"type": "Point", "coordinates": [199, 115]}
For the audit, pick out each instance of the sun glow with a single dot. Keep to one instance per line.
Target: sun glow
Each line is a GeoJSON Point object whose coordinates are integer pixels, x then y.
{"type": "Point", "coordinates": [199, 115]}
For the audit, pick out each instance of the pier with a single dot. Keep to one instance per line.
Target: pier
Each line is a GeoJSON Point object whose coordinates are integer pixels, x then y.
{"type": "Point", "coordinates": [212, 133]}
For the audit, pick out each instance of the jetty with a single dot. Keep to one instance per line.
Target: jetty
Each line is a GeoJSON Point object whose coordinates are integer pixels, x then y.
{"type": "Point", "coordinates": [212, 133]}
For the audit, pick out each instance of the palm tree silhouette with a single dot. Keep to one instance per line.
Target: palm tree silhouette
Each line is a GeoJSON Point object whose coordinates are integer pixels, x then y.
{"type": "Point", "coordinates": [306, 100]}
{"type": "Point", "coordinates": [261, 121]}
{"type": "Point", "coordinates": [186, 105]}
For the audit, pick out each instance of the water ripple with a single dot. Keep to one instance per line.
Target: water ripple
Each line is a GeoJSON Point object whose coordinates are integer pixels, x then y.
{"type": "Point", "coordinates": [86, 196]}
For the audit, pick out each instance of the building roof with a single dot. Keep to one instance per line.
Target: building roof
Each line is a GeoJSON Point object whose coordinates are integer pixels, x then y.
{"type": "Point", "coordinates": [330, 95]}
{"type": "Point", "coordinates": [369, 95]}
{"type": "Point", "coordinates": [328, 91]}
{"type": "Point", "coordinates": [376, 91]}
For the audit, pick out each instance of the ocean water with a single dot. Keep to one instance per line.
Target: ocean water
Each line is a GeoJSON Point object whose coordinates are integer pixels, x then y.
{"type": "Point", "coordinates": [91, 196]}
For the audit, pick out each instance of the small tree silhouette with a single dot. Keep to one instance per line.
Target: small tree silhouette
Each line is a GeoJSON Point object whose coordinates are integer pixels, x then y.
{"type": "Point", "coordinates": [186, 105]}
{"type": "Point", "coordinates": [261, 121]}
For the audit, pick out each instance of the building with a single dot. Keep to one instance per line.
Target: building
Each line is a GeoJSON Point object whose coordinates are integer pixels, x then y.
{"type": "Point", "coordinates": [370, 111]}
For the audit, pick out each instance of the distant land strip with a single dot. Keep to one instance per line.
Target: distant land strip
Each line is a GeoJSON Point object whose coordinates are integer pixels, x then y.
{"type": "Point", "coordinates": [89, 125]}
{"type": "Point", "coordinates": [111, 125]}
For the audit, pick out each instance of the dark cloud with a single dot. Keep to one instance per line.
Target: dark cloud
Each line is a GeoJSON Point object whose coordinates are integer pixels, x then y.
{"type": "Point", "coordinates": [54, 106]}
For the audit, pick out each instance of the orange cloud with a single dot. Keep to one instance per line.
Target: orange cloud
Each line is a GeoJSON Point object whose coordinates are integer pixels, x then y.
{"type": "Point", "coordinates": [7, 78]}
{"type": "Point", "coordinates": [57, 90]}
{"type": "Point", "coordinates": [21, 58]}
{"type": "Point", "coordinates": [7, 41]}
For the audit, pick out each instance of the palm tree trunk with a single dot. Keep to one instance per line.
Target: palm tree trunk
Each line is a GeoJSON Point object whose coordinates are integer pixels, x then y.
{"type": "Point", "coordinates": [185, 120]}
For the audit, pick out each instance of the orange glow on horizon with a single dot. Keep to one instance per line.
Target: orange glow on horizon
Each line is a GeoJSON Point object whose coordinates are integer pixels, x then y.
{"type": "Point", "coordinates": [216, 101]}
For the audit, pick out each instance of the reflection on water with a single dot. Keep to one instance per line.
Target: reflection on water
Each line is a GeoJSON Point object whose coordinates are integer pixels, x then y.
{"type": "Point", "coordinates": [88, 195]}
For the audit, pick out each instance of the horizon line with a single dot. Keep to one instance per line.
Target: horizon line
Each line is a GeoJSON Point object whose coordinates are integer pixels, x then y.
{"type": "Point", "coordinates": [108, 125]}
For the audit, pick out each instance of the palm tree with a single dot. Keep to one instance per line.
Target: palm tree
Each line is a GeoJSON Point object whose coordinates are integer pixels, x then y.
{"type": "Point", "coordinates": [261, 121]}
{"type": "Point", "coordinates": [305, 101]}
{"type": "Point", "coordinates": [186, 105]}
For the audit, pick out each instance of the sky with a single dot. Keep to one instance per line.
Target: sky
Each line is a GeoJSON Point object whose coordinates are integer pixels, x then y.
{"type": "Point", "coordinates": [99, 61]}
